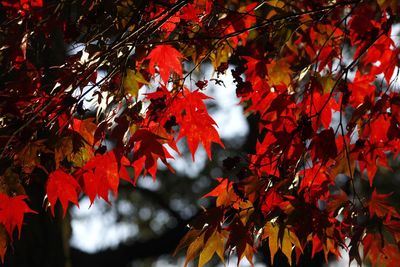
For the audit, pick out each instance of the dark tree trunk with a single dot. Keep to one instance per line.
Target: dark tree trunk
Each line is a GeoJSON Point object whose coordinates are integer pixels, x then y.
{"type": "Point", "coordinates": [42, 242]}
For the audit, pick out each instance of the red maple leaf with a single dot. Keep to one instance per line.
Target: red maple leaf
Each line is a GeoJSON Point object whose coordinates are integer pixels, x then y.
{"type": "Point", "coordinates": [148, 149]}
{"type": "Point", "coordinates": [123, 173]}
{"type": "Point", "coordinates": [170, 25]}
{"type": "Point", "coordinates": [12, 211]}
{"type": "Point", "coordinates": [191, 12]}
{"type": "Point", "coordinates": [23, 4]}
{"type": "Point", "coordinates": [379, 252]}
{"type": "Point", "coordinates": [244, 19]}
{"type": "Point", "coordinates": [320, 107]}
{"type": "Point", "coordinates": [167, 59]}
{"type": "Point", "coordinates": [369, 158]}
{"type": "Point", "coordinates": [361, 89]}
{"type": "Point", "coordinates": [272, 200]}
{"type": "Point", "coordinates": [219, 189]}
{"type": "Point", "coordinates": [196, 125]}
{"type": "Point", "coordinates": [33, 3]}
{"type": "Point", "coordinates": [315, 183]}
{"type": "Point", "coordinates": [101, 176]}
{"type": "Point", "coordinates": [380, 206]}
{"type": "Point", "coordinates": [256, 72]}
{"type": "Point", "coordinates": [63, 187]}
{"type": "Point", "coordinates": [377, 130]}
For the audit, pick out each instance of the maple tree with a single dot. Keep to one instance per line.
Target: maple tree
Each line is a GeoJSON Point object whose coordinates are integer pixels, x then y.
{"type": "Point", "coordinates": [319, 76]}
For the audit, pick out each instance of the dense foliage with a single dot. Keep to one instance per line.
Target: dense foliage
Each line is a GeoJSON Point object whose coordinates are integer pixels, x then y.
{"type": "Point", "coordinates": [319, 76]}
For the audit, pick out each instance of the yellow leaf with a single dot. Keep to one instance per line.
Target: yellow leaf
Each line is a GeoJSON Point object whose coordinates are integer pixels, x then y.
{"type": "Point", "coordinates": [271, 13]}
{"type": "Point", "coordinates": [214, 244]}
{"type": "Point", "coordinates": [295, 240]}
{"type": "Point", "coordinates": [28, 157]}
{"type": "Point", "coordinates": [194, 248]}
{"type": "Point", "coordinates": [288, 240]}
{"type": "Point", "coordinates": [133, 81]}
{"type": "Point", "coordinates": [285, 242]}
{"type": "Point", "coordinates": [246, 209]}
{"type": "Point", "coordinates": [198, 54]}
{"type": "Point", "coordinates": [276, 3]}
{"type": "Point", "coordinates": [187, 239]}
{"type": "Point", "coordinates": [327, 84]}
{"type": "Point", "coordinates": [290, 43]}
{"type": "Point", "coordinates": [63, 150]}
{"type": "Point", "coordinates": [220, 55]}
{"type": "Point", "coordinates": [328, 246]}
{"type": "Point", "coordinates": [279, 72]}
{"type": "Point", "coordinates": [82, 156]}
{"type": "Point", "coordinates": [222, 199]}
{"type": "Point", "coordinates": [286, 246]}
{"type": "Point", "coordinates": [383, 4]}
{"type": "Point", "coordinates": [10, 183]}
{"type": "Point", "coordinates": [132, 128]}
{"type": "Point", "coordinates": [248, 253]}
{"type": "Point", "coordinates": [85, 128]}
{"type": "Point", "coordinates": [342, 166]}
{"type": "Point", "coordinates": [220, 248]}
{"type": "Point", "coordinates": [271, 231]}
